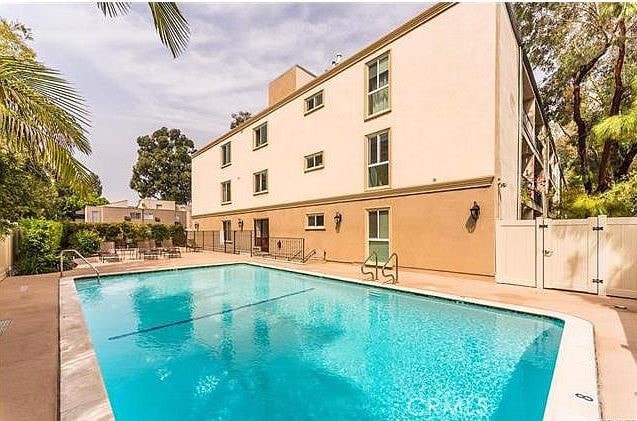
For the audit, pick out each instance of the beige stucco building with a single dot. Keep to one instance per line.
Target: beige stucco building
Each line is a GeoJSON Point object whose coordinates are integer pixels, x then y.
{"type": "Point", "coordinates": [147, 211]}
{"type": "Point", "coordinates": [390, 149]}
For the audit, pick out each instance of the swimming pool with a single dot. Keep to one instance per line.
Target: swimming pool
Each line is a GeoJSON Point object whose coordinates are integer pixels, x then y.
{"type": "Point", "coordinates": [246, 342]}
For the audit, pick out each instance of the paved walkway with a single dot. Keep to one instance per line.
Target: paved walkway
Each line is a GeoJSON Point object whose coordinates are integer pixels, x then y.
{"type": "Point", "coordinates": [29, 359]}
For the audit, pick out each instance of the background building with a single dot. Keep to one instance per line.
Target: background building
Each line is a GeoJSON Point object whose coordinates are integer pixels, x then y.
{"type": "Point", "coordinates": [148, 211]}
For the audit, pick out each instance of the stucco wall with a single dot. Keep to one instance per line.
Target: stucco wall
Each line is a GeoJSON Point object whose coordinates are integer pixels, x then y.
{"type": "Point", "coordinates": [428, 231]}
{"type": "Point", "coordinates": [508, 116]}
{"type": "Point", "coordinates": [442, 122]}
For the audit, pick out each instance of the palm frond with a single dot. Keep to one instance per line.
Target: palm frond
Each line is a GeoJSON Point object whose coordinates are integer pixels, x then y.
{"type": "Point", "coordinates": [42, 117]}
{"type": "Point", "coordinates": [114, 9]}
{"type": "Point", "coordinates": [171, 26]}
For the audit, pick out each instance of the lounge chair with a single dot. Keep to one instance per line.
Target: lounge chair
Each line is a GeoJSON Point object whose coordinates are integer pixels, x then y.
{"type": "Point", "coordinates": [148, 250]}
{"type": "Point", "coordinates": [192, 245]}
{"type": "Point", "coordinates": [169, 249]}
{"type": "Point", "coordinates": [108, 253]}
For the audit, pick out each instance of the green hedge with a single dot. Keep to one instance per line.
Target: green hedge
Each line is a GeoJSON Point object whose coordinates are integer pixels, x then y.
{"type": "Point", "coordinates": [125, 233]}
{"type": "Point", "coordinates": [86, 242]}
{"type": "Point", "coordinates": [38, 246]}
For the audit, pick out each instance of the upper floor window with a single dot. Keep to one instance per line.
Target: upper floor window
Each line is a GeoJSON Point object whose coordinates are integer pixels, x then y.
{"type": "Point", "coordinates": [261, 182]}
{"type": "Point", "coordinates": [261, 136]}
{"type": "Point", "coordinates": [378, 85]}
{"type": "Point", "coordinates": [226, 192]}
{"type": "Point", "coordinates": [314, 102]}
{"type": "Point", "coordinates": [226, 157]}
{"type": "Point", "coordinates": [378, 159]}
{"type": "Point", "coordinates": [316, 221]}
{"type": "Point", "coordinates": [314, 161]}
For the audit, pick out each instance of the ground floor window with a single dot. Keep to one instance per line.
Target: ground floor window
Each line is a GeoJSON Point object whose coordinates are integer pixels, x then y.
{"type": "Point", "coordinates": [378, 233]}
{"type": "Point", "coordinates": [316, 221]}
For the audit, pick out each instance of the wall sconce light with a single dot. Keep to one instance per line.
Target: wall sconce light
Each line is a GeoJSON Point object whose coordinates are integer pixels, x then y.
{"type": "Point", "coordinates": [197, 227]}
{"type": "Point", "coordinates": [338, 218]}
{"type": "Point", "coordinates": [240, 223]}
{"type": "Point", "coordinates": [475, 211]}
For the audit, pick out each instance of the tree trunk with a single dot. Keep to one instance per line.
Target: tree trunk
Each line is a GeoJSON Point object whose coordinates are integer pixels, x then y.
{"type": "Point", "coordinates": [582, 130]}
{"type": "Point", "coordinates": [610, 145]}
{"type": "Point", "coordinates": [624, 167]}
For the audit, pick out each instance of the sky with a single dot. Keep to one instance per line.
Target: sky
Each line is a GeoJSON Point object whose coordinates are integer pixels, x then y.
{"type": "Point", "coordinates": [133, 86]}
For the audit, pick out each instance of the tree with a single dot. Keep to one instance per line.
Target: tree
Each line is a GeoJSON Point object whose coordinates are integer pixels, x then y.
{"type": "Point", "coordinates": [239, 118]}
{"type": "Point", "coordinates": [169, 23]}
{"type": "Point", "coordinates": [69, 201]}
{"type": "Point", "coordinates": [586, 52]}
{"type": "Point", "coordinates": [163, 166]}
{"type": "Point", "coordinates": [42, 118]}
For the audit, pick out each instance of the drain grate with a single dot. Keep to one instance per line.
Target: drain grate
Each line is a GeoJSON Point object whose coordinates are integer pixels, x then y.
{"type": "Point", "coordinates": [4, 326]}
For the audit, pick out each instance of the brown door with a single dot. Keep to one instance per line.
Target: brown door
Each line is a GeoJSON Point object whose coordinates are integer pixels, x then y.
{"type": "Point", "coordinates": [262, 234]}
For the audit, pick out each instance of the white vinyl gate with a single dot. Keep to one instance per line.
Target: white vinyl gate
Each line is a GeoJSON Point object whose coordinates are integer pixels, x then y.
{"type": "Point", "coordinates": [595, 255]}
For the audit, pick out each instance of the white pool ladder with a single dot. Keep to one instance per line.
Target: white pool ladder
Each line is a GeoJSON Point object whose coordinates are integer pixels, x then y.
{"type": "Point", "coordinates": [81, 257]}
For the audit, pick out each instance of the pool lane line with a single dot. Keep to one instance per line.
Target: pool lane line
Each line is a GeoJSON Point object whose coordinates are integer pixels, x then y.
{"type": "Point", "coordinates": [205, 316]}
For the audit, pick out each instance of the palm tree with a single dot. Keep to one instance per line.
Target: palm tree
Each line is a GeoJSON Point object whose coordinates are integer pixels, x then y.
{"type": "Point", "coordinates": [170, 24]}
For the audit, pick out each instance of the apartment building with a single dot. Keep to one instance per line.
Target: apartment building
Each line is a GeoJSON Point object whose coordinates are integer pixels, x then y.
{"type": "Point", "coordinates": [415, 145]}
{"type": "Point", "coordinates": [147, 211]}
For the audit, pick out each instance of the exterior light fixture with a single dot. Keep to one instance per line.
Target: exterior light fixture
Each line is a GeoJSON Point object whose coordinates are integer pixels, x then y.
{"type": "Point", "coordinates": [475, 211]}
{"type": "Point", "coordinates": [197, 227]}
{"type": "Point", "coordinates": [338, 218]}
{"type": "Point", "coordinates": [240, 223]}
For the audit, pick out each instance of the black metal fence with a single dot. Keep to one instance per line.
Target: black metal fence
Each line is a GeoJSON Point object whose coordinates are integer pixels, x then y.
{"type": "Point", "coordinates": [288, 248]}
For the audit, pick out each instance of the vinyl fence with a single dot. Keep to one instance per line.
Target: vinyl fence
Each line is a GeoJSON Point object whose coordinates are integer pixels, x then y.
{"type": "Point", "coordinates": [594, 255]}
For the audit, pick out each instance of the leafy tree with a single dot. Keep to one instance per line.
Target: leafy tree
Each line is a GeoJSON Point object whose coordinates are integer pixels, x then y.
{"type": "Point", "coordinates": [239, 118]}
{"type": "Point", "coordinates": [585, 52]}
{"type": "Point", "coordinates": [69, 201]}
{"type": "Point", "coordinates": [26, 191]}
{"type": "Point", "coordinates": [163, 166]}
{"type": "Point", "coordinates": [169, 23]}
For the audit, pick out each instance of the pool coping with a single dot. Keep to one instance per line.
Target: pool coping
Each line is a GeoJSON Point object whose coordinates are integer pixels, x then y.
{"type": "Point", "coordinates": [573, 393]}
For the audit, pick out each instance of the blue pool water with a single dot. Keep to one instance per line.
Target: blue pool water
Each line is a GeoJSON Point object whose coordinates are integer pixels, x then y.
{"type": "Point", "coordinates": [242, 342]}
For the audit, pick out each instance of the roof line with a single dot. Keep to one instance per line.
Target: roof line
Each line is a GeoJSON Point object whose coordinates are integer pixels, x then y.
{"type": "Point", "coordinates": [402, 30]}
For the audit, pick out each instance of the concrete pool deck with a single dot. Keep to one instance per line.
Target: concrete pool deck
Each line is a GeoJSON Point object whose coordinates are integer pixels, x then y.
{"type": "Point", "coordinates": [29, 358]}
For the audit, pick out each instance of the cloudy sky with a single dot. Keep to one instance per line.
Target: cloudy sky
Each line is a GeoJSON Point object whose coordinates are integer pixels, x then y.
{"type": "Point", "coordinates": [133, 86]}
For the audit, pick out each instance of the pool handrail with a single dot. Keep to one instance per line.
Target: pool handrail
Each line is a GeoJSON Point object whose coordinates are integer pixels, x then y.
{"type": "Point", "coordinates": [364, 272]}
{"type": "Point", "coordinates": [81, 257]}
{"type": "Point", "coordinates": [392, 278]}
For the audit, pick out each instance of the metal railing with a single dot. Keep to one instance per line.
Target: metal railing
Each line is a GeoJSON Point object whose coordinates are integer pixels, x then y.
{"type": "Point", "coordinates": [393, 277]}
{"type": "Point", "coordinates": [78, 255]}
{"type": "Point", "coordinates": [289, 248]}
{"type": "Point", "coordinates": [375, 273]}
{"type": "Point", "coordinates": [239, 241]}
{"type": "Point", "coordinates": [309, 255]}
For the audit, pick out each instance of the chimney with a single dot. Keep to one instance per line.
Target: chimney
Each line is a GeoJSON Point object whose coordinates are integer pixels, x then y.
{"type": "Point", "coordinates": [287, 83]}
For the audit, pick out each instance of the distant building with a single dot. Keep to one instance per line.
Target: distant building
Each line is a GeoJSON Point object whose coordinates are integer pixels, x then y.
{"type": "Point", "coordinates": [148, 211]}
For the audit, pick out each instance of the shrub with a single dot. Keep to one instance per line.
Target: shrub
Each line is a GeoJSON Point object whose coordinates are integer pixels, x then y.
{"type": "Point", "coordinates": [178, 234]}
{"type": "Point", "coordinates": [86, 242]}
{"type": "Point", "coordinates": [38, 246]}
{"type": "Point", "coordinates": [160, 232]}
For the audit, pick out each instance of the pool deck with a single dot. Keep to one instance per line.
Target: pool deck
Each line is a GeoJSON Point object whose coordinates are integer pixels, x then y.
{"type": "Point", "coordinates": [29, 355]}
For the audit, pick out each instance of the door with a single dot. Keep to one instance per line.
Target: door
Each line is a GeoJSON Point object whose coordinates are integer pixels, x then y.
{"type": "Point", "coordinates": [262, 234]}
{"type": "Point", "coordinates": [378, 234]}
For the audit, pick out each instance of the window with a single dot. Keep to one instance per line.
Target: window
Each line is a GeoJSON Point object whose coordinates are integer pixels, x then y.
{"type": "Point", "coordinates": [95, 216]}
{"type": "Point", "coordinates": [226, 192]}
{"type": "Point", "coordinates": [314, 102]}
{"type": "Point", "coordinates": [225, 155]}
{"type": "Point", "coordinates": [261, 182]}
{"type": "Point", "coordinates": [261, 136]}
{"type": "Point", "coordinates": [378, 159]}
{"type": "Point", "coordinates": [314, 161]}
{"type": "Point", "coordinates": [158, 206]}
{"type": "Point", "coordinates": [227, 231]}
{"type": "Point", "coordinates": [378, 233]}
{"type": "Point", "coordinates": [315, 221]}
{"type": "Point", "coordinates": [378, 85]}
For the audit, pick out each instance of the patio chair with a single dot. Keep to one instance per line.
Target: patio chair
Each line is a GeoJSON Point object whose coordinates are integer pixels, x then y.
{"type": "Point", "coordinates": [108, 253]}
{"type": "Point", "coordinates": [148, 250]}
{"type": "Point", "coordinates": [169, 249]}
{"type": "Point", "coordinates": [192, 245]}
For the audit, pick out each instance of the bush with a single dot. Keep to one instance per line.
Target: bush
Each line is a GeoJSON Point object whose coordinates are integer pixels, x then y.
{"type": "Point", "coordinates": [122, 233]}
{"type": "Point", "coordinates": [39, 246]}
{"type": "Point", "coordinates": [86, 242]}
{"type": "Point", "coordinates": [178, 234]}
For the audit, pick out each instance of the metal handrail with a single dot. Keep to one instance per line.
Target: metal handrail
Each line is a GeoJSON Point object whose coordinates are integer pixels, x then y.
{"type": "Point", "coordinates": [364, 272]}
{"type": "Point", "coordinates": [296, 254]}
{"type": "Point", "coordinates": [393, 278]}
{"type": "Point", "coordinates": [78, 255]}
{"type": "Point", "coordinates": [310, 254]}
